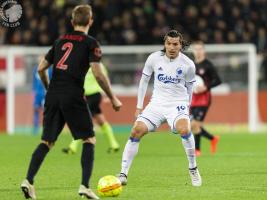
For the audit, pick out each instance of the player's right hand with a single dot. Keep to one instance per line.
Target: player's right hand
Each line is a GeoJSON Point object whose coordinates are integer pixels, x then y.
{"type": "Point", "coordinates": [116, 103]}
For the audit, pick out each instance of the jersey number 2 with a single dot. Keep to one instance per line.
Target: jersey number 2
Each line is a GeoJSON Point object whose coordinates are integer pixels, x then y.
{"type": "Point", "coordinates": [68, 48]}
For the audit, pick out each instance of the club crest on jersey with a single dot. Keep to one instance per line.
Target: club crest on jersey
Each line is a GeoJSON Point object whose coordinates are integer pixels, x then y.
{"type": "Point", "coordinates": [168, 79]}
{"type": "Point", "coordinates": [160, 69]}
{"type": "Point", "coordinates": [179, 71]}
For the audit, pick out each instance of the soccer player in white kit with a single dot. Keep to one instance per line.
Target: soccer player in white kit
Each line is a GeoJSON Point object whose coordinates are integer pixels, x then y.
{"type": "Point", "coordinates": [174, 75]}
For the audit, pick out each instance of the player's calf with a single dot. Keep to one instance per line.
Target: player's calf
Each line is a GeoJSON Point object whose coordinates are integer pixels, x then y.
{"type": "Point", "coordinates": [183, 127]}
{"type": "Point", "coordinates": [138, 130]}
{"type": "Point", "coordinates": [196, 126]}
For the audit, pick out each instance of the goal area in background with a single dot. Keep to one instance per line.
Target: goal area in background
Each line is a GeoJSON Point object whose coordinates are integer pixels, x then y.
{"type": "Point", "coordinates": [235, 102]}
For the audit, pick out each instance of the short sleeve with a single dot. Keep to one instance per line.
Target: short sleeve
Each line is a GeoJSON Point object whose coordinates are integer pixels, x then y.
{"type": "Point", "coordinates": [191, 72]}
{"type": "Point", "coordinates": [50, 55]}
{"type": "Point", "coordinates": [148, 68]}
{"type": "Point", "coordinates": [95, 52]}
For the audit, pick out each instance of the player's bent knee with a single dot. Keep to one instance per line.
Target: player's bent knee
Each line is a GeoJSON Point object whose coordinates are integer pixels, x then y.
{"type": "Point", "coordinates": [138, 132]}
{"type": "Point", "coordinates": [91, 140]}
{"type": "Point", "coordinates": [182, 126]}
{"type": "Point", "coordinates": [183, 130]}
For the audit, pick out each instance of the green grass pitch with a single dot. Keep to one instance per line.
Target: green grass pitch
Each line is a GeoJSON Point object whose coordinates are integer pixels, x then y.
{"type": "Point", "coordinates": [159, 172]}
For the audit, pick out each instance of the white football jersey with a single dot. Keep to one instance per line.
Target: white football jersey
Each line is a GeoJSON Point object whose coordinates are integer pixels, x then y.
{"type": "Point", "coordinates": [170, 76]}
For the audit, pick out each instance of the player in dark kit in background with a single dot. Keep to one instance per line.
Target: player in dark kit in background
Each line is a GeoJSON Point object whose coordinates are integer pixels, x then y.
{"type": "Point", "coordinates": [202, 96]}
{"type": "Point", "coordinates": [71, 56]}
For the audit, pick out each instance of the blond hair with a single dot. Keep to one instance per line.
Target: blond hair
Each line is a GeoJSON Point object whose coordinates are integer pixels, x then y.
{"type": "Point", "coordinates": [81, 15]}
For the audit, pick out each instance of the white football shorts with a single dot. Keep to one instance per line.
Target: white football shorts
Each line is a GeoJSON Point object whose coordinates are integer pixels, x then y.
{"type": "Point", "coordinates": [155, 114]}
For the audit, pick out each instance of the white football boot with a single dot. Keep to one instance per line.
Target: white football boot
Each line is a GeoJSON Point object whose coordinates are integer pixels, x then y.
{"type": "Point", "coordinates": [123, 178]}
{"type": "Point", "coordinates": [195, 177]}
{"type": "Point", "coordinates": [28, 189]}
{"type": "Point", "coordinates": [87, 192]}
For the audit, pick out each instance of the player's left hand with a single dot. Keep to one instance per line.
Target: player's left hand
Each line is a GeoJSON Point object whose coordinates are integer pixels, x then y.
{"type": "Point", "coordinates": [200, 89]}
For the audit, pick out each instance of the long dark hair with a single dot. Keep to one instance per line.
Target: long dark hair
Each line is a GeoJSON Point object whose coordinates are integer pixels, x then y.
{"type": "Point", "coordinates": [174, 34]}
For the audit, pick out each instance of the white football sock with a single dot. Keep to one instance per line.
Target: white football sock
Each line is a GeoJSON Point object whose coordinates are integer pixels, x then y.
{"type": "Point", "coordinates": [130, 150]}
{"type": "Point", "coordinates": [189, 146]}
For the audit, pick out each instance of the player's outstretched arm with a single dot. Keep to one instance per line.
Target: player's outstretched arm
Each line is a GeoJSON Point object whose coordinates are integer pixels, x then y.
{"type": "Point", "coordinates": [43, 65]}
{"type": "Point", "coordinates": [104, 83]}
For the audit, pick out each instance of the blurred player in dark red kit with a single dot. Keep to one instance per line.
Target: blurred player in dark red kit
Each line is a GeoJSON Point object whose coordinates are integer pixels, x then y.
{"type": "Point", "coordinates": [202, 96]}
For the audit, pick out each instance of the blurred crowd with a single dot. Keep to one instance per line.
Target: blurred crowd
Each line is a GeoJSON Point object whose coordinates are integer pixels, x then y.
{"type": "Point", "coordinates": [126, 22]}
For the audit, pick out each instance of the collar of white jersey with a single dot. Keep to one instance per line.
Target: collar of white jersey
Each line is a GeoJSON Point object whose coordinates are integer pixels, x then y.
{"type": "Point", "coordinates": [170, 59]}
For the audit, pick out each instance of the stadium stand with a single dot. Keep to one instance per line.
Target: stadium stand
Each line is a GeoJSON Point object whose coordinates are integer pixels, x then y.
{"type": "Point", "coordinates": [130, 22]}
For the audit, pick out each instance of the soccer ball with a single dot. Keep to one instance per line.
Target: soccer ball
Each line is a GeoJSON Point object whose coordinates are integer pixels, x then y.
{"type": "Point", "coordinates": [109, 186]}
{"type": "Point", "coordinates": [199, 82]}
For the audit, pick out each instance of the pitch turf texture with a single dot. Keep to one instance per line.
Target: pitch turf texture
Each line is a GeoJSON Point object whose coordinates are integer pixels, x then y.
{"type": "Point", "coordinates": [159, 172]}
